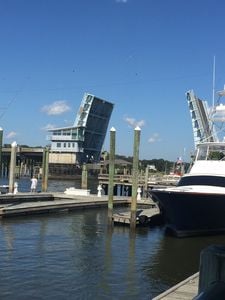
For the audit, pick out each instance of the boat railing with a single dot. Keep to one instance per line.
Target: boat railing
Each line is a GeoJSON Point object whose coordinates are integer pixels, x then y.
{"type": "Point", "coordinates": [142, 180]}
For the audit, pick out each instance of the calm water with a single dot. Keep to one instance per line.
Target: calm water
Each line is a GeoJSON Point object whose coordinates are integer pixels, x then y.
{"type": "Point", "coordinates": [74, 256]}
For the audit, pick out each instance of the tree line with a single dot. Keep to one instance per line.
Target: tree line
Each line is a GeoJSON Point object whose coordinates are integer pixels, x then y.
{"type": "Point", "coordinates": [161, 165]}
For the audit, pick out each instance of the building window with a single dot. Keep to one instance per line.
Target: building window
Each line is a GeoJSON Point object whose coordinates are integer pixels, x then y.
{"type": "Point", "coordinates": [58, 145]}
{"type": "Point", "coordinates": [66, 132]}
{"type": "Point", "coordinates": [68, 145]}
{"type": "Point", "coordinates": [64, 145]}
{"type": "Point", "coordinates": [57, 132]}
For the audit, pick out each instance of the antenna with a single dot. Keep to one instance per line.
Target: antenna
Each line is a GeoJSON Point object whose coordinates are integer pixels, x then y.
{"type": "Point", "coordinates": [214, 72]}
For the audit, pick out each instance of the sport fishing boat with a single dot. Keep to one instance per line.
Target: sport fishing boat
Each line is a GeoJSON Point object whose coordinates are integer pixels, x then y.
{"type": "Point", "coordinates": [196, 206]}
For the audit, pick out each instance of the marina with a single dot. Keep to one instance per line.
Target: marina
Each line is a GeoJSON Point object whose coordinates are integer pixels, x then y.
{"type": "Point", "coordinates": [196, 205]}
{"type": "Point", "coordinates": [56, 246]}
{"type": "Point", "coordinates": [58, 204]}
{"type": "Point", "coordinates": [27, 204]}
{"type": "Point", "coordinates": [112, 150]}
{"type": "Point", "coordinates": [123, 196]}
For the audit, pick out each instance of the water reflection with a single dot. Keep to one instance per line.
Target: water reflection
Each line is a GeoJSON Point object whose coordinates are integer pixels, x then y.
{"type": "Point", "coordinates": [8, 237]}
{"type": "Point", "coordinates": [104, 283]}
{"type": "Point", "coordinates": [76, 256]}
{"type": "Point", "coordinates": [131, 265]}
{"type": "Point", "coordinates": [176, 259]}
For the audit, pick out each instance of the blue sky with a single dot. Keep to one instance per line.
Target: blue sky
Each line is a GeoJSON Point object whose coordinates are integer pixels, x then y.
{"type": "Point", "coordinates": [142, 55]}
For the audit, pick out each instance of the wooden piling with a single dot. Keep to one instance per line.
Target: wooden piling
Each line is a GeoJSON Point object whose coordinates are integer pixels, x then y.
{"type": "Point", "coordinates": [212, 266]}
{"type": "Point", "coordinates": [84, 177]}
{"type": "Point", "coordinates": [135, 173]}
{"type": "Point", "coordinates": [146, 179]}
{"type": "Point", "coordinates": [45, 169]}
{"type": "Point", "coordinates": [12, 167]}
{"type": "Point", "coordinates": [111, 175]}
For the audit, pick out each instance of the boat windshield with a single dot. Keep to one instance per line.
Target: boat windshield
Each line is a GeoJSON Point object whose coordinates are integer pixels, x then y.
{"type": "Point", "coordinates": [211, 151]}
{"type": "Point", "coordinates": [202, 180]}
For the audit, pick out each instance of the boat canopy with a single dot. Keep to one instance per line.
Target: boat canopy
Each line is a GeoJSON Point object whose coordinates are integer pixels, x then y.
{"type": "Point", "coordinates": [208, 167]}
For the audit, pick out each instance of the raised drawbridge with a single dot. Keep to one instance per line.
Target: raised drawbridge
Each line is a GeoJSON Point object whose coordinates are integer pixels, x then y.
{"type": "Point", "coordinates": [203, 127]}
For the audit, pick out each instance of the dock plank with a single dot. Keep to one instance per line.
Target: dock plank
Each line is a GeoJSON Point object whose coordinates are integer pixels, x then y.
{"type": "Point", "coordinates": [185, 290]}
{"type": "Point", "coordinates": [124, 217]}
{"type": "Point", "coordinates": [35, 203]}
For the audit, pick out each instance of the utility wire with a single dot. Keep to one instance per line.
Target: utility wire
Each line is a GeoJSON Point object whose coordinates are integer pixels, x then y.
{"type": "Point", "coordinates": [8, 106]}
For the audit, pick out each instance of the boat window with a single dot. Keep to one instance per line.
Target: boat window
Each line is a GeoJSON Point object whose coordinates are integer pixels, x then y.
{"type": "Point", "coordinates": [216, 155]}
{"type": "Point", "coordinates": [202, 153]}
{"type": "Point", "coordinates": [202, 180]}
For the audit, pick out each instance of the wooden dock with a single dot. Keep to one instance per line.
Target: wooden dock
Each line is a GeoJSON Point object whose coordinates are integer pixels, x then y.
{"type": "Point", "coordinates": [143, 216]}
{"type": "Point", "coordinates": [39, 203]}
{"type": "Point", "coordinates": [185, 290]}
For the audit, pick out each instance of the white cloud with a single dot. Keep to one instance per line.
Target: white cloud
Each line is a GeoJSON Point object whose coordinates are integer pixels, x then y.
{"type": "Point", "coordinates": [56, 108]}
{"type": "Point", "coordinates": [134, 123]}
{"type": "Point", "coordinates": [121, 1]}
{"type": "Point", "coordinates": [11, 135]}
{"type": "Point", "coordinates": [154, 138]}
{"type": "Point", "coordinates": [140, 123]}
{"type": "Point", "coordinates": [48, 127]}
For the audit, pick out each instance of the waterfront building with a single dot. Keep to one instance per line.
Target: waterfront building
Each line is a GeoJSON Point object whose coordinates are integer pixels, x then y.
{"type": "Point", "coordinates": [82, 142]}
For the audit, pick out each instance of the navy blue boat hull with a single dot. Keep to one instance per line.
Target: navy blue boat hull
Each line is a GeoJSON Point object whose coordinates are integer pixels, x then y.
{"type": "Point", "coordinates": [189, 213]}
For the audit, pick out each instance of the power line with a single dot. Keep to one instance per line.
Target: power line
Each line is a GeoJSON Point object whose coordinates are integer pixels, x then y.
{"type": "Point", "coordinates": [8, 106]}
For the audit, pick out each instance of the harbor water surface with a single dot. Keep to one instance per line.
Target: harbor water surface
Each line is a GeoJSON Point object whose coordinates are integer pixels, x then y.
{"type": "Point", "coordinates": [74, 256]}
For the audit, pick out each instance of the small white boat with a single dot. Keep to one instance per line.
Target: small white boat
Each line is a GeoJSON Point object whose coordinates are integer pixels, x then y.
{"type": "Point", "coordinates": [77, 192]}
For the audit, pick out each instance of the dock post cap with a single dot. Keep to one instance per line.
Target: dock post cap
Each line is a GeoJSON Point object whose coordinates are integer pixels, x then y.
{"type": "Point", "coordinates": [112, 129]}
{"type": "Point", "coordinates": [137, 128]}
{"type": "Point", "coordinates": [14, 144]}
